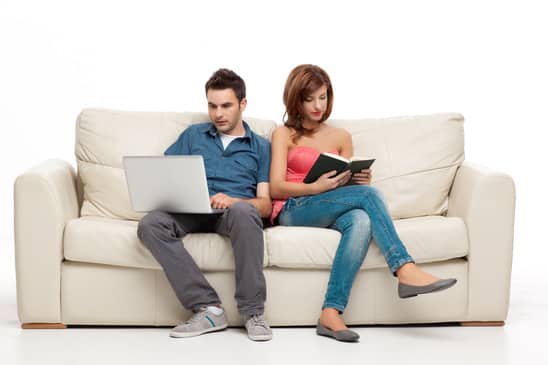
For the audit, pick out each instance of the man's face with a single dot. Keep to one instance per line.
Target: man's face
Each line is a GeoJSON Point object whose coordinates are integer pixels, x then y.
{"type": "Point", "coordinates": [225, 111]}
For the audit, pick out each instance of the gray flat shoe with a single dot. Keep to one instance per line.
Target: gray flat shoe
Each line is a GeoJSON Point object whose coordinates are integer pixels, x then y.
{"type": "Point", "coordinates": [408, 291]}
{"type": "Point", "coordinates": [344, 335]}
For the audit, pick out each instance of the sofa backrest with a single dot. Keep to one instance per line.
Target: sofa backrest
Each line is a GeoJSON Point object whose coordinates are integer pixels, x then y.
{"type": "Point", "coordinates": [416, 157]}
{"type": "Point", "coordinates": [104, 136]}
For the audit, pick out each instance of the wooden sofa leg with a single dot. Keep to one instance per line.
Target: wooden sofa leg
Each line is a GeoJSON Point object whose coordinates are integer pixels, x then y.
{"type": "Point", "coordinates": [43, 326]}
{"type": "Point", "coordinates": [483, 324]}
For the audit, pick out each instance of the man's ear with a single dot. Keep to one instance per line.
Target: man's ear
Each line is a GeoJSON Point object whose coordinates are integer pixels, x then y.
{"type": "Point", "coordinates": [243, 104]}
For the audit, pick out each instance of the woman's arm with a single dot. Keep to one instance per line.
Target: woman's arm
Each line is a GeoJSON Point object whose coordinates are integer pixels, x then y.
{"type": "Point", "coordinates": [282, 189]}
{"type": "Point", "coordinates": [346, 150]}
{"type": "Point", "coordinates": [364, 176]}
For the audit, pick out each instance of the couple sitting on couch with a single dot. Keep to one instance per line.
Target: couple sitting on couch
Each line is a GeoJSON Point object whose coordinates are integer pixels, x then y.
{"type": "Point", "coordinates": [242, 177]}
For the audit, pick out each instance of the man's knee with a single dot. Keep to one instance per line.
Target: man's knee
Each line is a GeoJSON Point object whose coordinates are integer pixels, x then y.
{"type": "Point", "coordinates": [244, 211]}
{"type": "Point", "coordinates": [148, 224]}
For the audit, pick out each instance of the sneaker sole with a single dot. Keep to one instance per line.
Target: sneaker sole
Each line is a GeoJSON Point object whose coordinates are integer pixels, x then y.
{"type": "Point", "coordinates": [198, 333]}
{"type": "Point", "coordinates": [260, 337]}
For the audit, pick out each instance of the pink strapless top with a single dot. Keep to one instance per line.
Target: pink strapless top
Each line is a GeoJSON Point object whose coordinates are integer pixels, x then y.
{"type": "Point", "coordinates": [299, 162]}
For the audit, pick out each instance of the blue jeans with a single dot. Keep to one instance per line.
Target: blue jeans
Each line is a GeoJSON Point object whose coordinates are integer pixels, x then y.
{"type": "Point", "coordinates": [356, 212]}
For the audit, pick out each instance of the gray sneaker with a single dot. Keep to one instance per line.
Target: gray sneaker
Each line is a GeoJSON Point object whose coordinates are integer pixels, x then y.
{"type": "Point", "coordinates": [201, 322]}
{"type": "Point", "coordinates": [257, 328]}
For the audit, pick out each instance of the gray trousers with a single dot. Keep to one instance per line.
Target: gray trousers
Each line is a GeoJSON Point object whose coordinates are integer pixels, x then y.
{"type": "Point", "coordinates": [162, 232]}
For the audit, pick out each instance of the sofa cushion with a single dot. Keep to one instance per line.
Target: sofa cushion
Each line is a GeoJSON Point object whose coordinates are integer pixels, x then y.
{"type": "Point", "coordinates": [416, 159]}
{"type": "Point", "coordinates": [104, 136]}
{"type": "Point", "coordinates": [114, 242]}
{"type": "Point", "coordinates": [427, 239]}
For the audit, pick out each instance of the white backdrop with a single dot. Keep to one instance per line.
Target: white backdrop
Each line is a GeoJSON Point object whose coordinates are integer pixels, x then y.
{"type": "Point", "coordinates": [484, 59]}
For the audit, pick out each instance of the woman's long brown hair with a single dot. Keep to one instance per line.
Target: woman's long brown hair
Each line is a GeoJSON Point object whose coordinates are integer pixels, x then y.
{"type": "Point", "coordinates": [302, 81]}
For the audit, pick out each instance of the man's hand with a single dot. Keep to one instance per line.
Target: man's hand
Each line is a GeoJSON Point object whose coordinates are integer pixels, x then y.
{"type": "Point", "coordinates": [222, 201]}
{"type": "Point", "coordinates": [363, 177]}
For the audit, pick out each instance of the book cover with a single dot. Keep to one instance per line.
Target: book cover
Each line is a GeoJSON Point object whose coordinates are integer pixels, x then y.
{"type": "Point", "coordinates": [328, 162]}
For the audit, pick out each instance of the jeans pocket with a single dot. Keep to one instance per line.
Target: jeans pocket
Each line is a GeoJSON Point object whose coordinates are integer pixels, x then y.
{"type": "Point", "coordinates": [289, 204]}
{"type": "Point", "coordinates": [300, 201]}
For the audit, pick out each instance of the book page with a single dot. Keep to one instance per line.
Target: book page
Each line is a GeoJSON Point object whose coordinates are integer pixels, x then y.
{"type": "Point", "coordinates": [358, 158]}
{"type": "Point", "coordinates": [332, 155]}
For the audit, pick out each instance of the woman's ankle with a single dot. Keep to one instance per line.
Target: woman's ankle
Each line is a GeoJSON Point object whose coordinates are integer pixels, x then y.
{"type": "Point", "coordinates": [331, 318]}
{"type": "Point", "coordinates": [411, 274]}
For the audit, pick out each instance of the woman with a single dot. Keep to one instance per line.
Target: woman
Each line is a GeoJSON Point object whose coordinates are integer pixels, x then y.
{"type": "Point", "coordinates": [356, 211]}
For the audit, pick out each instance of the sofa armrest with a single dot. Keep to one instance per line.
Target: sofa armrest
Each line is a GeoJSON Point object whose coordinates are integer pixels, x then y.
{"type": "Point", "coordinates": [45, 198]}
{"type": "Point", "coordinates": [485, 200]}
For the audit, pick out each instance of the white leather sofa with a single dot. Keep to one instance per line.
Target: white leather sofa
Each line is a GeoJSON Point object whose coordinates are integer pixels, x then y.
{"type": "Point", "coordinates": [79, 261]}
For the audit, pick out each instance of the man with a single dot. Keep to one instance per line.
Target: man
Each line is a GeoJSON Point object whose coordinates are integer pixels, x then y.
{"type": "Point", "coordinates": [237, 163]}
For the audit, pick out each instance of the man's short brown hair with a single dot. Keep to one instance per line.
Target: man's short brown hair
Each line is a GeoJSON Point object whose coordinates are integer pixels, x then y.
{"type": "Point", "coordinates": [224, 78]}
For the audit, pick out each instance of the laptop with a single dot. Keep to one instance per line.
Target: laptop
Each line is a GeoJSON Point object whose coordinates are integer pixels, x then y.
{"type": "Point", "coordinates": [175, 184]}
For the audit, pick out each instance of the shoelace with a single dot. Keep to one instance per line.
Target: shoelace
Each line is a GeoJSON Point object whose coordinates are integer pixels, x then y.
{"type": "Point", "coordinates": [258, 320]}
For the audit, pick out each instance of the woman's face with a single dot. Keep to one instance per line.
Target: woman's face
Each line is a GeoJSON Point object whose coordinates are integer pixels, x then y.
{"type": "Point", "coordinates": [315, 104]}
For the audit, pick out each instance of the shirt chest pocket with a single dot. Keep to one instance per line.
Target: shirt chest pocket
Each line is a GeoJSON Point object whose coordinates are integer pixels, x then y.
{"type": "Point", "coordinates": [246, 165]}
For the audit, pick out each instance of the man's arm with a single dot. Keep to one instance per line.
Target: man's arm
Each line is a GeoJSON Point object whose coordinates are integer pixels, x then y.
{"type": "Point", "coordinates": [262, 202]}
{"type": "Point", "coordinates": [182, 145]}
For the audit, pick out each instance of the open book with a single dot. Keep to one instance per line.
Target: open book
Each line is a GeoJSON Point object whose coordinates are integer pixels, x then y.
{"type": "Point", "coordinates": [328, 162]}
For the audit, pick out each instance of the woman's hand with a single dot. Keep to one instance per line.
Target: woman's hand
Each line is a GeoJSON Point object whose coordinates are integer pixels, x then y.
{"type": "Point", "coordinates": [329, 181]}
{"type": "Point", "coordinates": [363, 177]}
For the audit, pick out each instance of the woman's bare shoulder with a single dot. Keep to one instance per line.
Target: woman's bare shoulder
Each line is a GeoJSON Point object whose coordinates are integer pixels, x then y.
{"type": "Point", "coordinates": [339, 133]}
{"type": "Point", "coordinates": [282, 131]}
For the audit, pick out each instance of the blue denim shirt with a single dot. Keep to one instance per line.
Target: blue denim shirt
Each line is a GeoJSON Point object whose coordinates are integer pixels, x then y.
{"type": "Point", "coordinates": [235, 171]}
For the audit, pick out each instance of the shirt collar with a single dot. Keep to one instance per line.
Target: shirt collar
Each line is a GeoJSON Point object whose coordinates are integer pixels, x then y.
{"type": "Point", "coordinates": [213, 131]}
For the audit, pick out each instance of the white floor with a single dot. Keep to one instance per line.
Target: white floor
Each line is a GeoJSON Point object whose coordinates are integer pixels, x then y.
{"type": "Point", "coordinates": [522, 340]}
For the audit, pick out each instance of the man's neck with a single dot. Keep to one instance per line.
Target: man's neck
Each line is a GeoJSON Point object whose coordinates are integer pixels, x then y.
{"type": "Point", "coordinates": [238, 131]}
{"type": "Point", "coordinates": [232, 135]}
